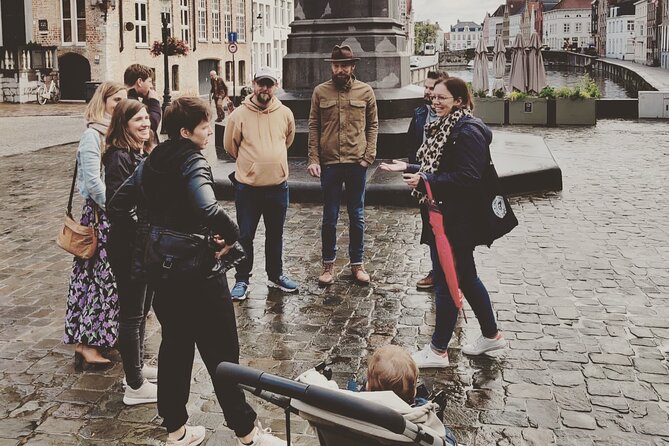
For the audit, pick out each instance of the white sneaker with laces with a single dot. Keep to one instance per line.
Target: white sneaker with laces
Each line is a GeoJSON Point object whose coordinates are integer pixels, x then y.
{"type": "Point", "coordinates": [194, 435]}
{"type": "Point", "coordinates": [147, 393]}
{"type": "Point", "coordinates": [427, 358]}
{"type": "Point", "coordinates": [263, 437]}
{"type": "Point", "coordinates": [484, 345]}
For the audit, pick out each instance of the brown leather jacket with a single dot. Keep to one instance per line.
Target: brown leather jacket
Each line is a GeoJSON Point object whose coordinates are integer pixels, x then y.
{"type": "Point", "coordinates": [343, 124]}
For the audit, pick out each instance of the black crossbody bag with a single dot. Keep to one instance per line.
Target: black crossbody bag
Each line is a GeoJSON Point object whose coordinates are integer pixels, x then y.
{"type": "Point", "coordinates": [170, 254]}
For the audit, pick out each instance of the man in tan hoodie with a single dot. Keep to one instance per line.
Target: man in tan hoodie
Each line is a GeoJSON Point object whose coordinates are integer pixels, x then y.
{"type": "Point", "coordinates": [258, 135]}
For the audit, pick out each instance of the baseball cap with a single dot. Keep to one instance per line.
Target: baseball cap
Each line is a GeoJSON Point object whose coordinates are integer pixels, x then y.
{"type": "Point", "coordinates": [265, 73]}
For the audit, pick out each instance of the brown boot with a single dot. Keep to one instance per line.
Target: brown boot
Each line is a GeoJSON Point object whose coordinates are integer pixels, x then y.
{"type": "Point", "coordinates": [359, 274]}
{"type": "Point", "coordinates": [327, 276]}
{"type": "Point", "coordinates": [426, 282]}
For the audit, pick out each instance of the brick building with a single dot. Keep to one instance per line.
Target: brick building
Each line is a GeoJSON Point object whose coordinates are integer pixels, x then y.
{"type": "Point", "coordinates": [95, 40]}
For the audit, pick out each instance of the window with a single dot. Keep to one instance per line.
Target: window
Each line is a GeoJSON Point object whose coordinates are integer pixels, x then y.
{"type": "Point", "coordinates": [268, 22]}
{"type": "Point", "coordinates": [227, 18]}
{"type": "Point", "coordinates": [241, 20]}
{"type": "Point", "coordinates": [242, 72]}
{"type": "Point", "coordinates": [277, 53]}
{"type": "Point", "coordinates": [175, 77]}
{"type": "Point", "coordinates": [268, 54]}
{"type": "Point", "coordinates": [566, 27]}
{"type": "Point", "coordinates": [578, 27]}
{"type": "Point", "coordinates": [141, 24]}
{"type": "Point", "coordinates": [215, 20]}
{"type": "Point", "coordinates": [185, 20]}
{"type": "Point", "coordinates": [74, 21]}
{"type": "Point", "coordinates": [202, 20]}
{"type": "Point", "coordinates": [228, 71]}
{"type": "Point", "coordinates": [167, 13]}
{"type": "Point", "coordinates": [284, 12]}
{"type": "Point", "coordinates": [277, 12]}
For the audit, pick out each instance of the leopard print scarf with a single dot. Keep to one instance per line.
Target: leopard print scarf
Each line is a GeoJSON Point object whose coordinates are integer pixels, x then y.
{"type": "Point", "coordinates": [430, 152]}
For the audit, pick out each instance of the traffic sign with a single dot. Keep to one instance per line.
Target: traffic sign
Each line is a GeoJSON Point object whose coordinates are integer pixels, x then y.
{"type": "Point", "coordinates": [232, 37]}
{"type": "Point", "coordinates": [232, 47]}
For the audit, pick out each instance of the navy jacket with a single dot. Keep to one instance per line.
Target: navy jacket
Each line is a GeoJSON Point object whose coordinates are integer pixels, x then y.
{"type": "Point", "coordinates": [416, 132]}
{"type": "Point", "coordinates": [457, 184]}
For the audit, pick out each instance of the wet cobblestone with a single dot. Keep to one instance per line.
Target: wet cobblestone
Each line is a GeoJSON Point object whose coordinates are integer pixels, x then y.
{"type": "Point", "coordinates": [580, 289]}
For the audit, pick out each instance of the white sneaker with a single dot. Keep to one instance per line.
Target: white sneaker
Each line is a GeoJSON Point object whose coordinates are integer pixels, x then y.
{"type": "Point", "coordinates": [427, 358]}
{"type": "Point", "coordinates": [147, 393]}
{"type": "Point", "coordinates": [484, 345]}
{"type": "Point", "coordinates": [194, 435]}
{"type": "Point", "coordinates": [149, 373]}
{"type": "Point", "coordinates": [263, 437]}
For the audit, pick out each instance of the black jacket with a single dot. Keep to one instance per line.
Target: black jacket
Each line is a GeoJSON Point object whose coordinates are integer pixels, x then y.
{"type": "Point", "coordinates": [417, 131]}
{"type": "Point", "coordinates": [178, 188]}
{"type": "Point", "coordinates": [119, 165]}
{"type": "Point", "coordinates": [457, 184]}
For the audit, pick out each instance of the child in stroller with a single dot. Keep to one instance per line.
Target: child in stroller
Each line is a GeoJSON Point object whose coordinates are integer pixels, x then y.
{"type": "Point", "coordinates": [343, 418]}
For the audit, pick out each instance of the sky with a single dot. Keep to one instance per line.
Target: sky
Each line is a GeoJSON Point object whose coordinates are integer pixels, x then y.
{"type": "Point", "coordinates": [447, 12]}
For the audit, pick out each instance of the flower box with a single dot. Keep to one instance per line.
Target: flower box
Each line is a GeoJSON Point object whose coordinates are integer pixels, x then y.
{"type": "Point", "coordinates": [489, 110]}
{"type": "Point", "coordinates": [529, 110]}
{"type": "Point", "coordinates": [575, 111]}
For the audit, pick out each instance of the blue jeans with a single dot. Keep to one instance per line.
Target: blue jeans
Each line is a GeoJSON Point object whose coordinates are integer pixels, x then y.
{"type": "Point", "coordinates": [333, 178]}
{"type": "Point", "coordinates": [270, 202]}
{"type": "Point", "coordinates": [474, 291]}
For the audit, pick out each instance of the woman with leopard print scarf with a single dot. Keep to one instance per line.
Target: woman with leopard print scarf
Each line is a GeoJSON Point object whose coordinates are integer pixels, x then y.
{"type": "Point", "coordinates": [453, 159]}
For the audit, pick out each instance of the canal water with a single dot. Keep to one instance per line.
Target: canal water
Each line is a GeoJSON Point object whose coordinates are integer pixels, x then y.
{"type": "Point", "coordinates": [558, 77]}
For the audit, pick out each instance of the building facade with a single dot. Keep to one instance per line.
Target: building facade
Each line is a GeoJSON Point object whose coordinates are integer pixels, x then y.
{"type": "Point", "coordinates": [465, 35]}
{"type": "Point", "coordinates": [620, 32]}
{"type": "Point", "coordinates": [664, 36]}
{"type": "Point", "coordinates": [95, 40]}
{"type": "Point", "coordinates": [653, 28]}
{"type": "Point", "coordinates": [567, 25]}
{"type": "Point", "coordinates": [640, 21]}
{"type": "Point", "coordinates": [270, 25]}
{"type": "Point", "coordinates": [493, 25]}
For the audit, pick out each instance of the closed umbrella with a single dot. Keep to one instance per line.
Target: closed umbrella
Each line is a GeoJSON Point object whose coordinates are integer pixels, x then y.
{"type": "Point", "coordinates": [480, 79]}
{"type": "Point", "coordinates": [444, 250]}
{"type": "Point", "coordinates": [536, 72]}
{"type": "Point", "coordinates": [518, 75]}
{"type": "Point", "coordinates": [499, 63]}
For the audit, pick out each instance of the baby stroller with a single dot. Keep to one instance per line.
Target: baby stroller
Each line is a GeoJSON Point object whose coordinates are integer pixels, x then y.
{"type": "Point", "coordinates": [339, 417]}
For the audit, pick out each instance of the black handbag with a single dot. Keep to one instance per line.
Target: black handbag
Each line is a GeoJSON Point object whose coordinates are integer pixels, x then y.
{"type": "Point", "coordinates": [496, 215]}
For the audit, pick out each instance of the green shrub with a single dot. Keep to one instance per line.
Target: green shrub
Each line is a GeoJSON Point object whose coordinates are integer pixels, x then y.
{"type": "Point", "coordinates": [499, 93]}
{"type": "Point", "coordinates": [563, 92]}
{"type": "Point", "coordinates": [481, 94]}
{"type": "Point", "coordinates": [547, 93]}
{"type": "Point", "coordinates": [517, 95]}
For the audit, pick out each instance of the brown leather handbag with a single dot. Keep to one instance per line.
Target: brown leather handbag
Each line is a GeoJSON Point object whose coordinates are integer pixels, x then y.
{"type": "Point", "coordinates": [79, 240]}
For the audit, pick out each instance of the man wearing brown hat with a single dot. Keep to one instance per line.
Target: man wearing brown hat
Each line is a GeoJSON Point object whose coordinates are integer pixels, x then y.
{"type": "Point", "coordinates": [343, 127]}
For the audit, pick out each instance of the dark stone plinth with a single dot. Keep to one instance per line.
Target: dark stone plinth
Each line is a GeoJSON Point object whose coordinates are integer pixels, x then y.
{"type": "Point", "coordinates": [524, 163]}
{"type": "Point", "coordinates": [617, 108]}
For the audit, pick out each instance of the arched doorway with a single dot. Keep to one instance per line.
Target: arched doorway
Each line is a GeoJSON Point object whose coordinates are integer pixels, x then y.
{"type": "Point", "coordinates": [204, 66]}
{"type": "Point", "coordinates": [75, 71]}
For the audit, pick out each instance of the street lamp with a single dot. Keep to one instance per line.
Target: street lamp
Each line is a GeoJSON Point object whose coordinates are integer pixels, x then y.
{"type": "Point", "coordinates": [165, 8]}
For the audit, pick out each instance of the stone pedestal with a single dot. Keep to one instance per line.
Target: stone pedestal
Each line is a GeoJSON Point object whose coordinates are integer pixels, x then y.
{"type": "Point", "coordinates": [374, 31]}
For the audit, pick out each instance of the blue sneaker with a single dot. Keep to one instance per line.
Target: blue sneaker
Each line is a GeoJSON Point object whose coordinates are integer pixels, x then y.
{"type": "Point", "coordinates": [284, 284]}
{"type": "Point", "coordinates": [239, 291]}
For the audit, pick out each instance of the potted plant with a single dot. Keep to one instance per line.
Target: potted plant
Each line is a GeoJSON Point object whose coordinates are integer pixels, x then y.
{"type": "Point", "coordinates": [175, 47]}
{"type": "Point", "coordinates": [577, 106]}
{"type": "Point", "coordinates": [527, 109]}
{"type": "Point", "coordinates": [490, 109]}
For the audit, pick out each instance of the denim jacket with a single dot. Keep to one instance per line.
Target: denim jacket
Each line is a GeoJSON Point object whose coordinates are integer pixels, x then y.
{"type": "Point", "coordinates": [90, 176]}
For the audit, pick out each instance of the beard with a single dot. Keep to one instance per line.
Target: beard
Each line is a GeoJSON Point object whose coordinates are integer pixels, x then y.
{"type": "Point", "coordinates": [428, 100]}
{"type": "Point", "coordinates": [341, 80]}
{"type": "Point", "coordinates": [263, 98]}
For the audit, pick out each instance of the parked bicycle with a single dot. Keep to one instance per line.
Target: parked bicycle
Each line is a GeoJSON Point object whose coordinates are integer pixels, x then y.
{"type": "Point", "coordinates": [51, 93]}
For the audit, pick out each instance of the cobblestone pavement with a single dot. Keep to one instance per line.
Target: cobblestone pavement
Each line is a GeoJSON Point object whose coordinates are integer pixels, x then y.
{"type": "Point", "coordinates": [580, 289]}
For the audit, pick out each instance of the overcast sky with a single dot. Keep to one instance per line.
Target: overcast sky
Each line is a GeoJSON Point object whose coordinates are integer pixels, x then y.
{"type": "Point", "coordinates": [447, 12]}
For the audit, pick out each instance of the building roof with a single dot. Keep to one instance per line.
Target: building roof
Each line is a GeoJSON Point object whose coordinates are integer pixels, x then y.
{"type": "Point", "coordinates": [573, 4]}
{"type": "Point", "coordinates": [549, 5]}
{"type": "Point", "coordinates": [515, 6]}
{"type": "Point", "coordinates": [460, 26]}
{"type": "Point", "coordinates": [625, 7]}
{"type": "Point", "coordinates": [499, 12]}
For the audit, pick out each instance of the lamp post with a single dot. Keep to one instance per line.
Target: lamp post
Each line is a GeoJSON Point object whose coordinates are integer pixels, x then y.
{"type": "Point", "coordinates": [166, 34]}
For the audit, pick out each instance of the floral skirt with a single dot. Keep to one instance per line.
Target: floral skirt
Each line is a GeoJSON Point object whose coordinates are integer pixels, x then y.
{"type": "Point", "coordinates": [92, 302]}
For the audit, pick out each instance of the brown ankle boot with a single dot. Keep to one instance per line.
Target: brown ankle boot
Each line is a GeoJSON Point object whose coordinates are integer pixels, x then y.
{"type": "Point", "coordinates": [327, 276]}
{"type": "Point", "coordinates": [359, 274]}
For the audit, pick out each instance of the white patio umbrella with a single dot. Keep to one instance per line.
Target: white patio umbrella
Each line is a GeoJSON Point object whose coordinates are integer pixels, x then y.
{"type": "Point", "coordinates": [480, 78]}
{"type": "Point", "coordinates": [536, 72]}
{"type": "Point", "coordinates": [499, 63]}
{"type": "Point", "coordinates": [518, 75]}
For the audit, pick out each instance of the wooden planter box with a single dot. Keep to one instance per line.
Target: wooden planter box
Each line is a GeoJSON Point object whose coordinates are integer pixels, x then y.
{"type": "Point", "coordinates": [531, 111]}
{"type": "Point", "coordinates": [575, 111]}
{"type": "Point", "coordinates": [489, 110]}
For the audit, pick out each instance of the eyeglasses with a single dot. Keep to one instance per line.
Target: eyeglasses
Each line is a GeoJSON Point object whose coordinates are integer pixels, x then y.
{"type": "Point", "coordinates": [441, 98]}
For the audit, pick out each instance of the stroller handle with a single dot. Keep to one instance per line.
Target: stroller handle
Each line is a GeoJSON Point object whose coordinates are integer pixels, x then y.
{"type": "Point", "coordinates": [321, 397]}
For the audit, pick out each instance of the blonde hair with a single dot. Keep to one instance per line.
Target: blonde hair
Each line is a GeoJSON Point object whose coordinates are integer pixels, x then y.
{"type": "Point", "coordinates": [392, 368]}
{"type": "Point", "coordinates": [117, 134]}
{"type": "Point", "coordinates": [95, 110]}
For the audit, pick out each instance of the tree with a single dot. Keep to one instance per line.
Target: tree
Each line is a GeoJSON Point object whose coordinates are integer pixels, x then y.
{"type": "Point", "coordinates": [425, 33]}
